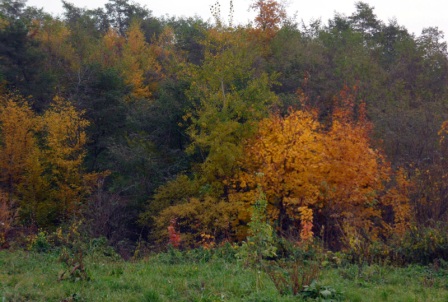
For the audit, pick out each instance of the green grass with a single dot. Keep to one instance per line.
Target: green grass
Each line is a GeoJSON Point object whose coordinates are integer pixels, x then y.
{"type": "Point", "coordinates": [29, 276]}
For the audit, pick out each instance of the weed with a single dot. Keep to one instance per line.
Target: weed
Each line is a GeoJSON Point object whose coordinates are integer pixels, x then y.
{"type": "Point", "coordinates": [40, 243]}
{"type": "Point", "coordinates": [321, 293]}
{"type": "Point", "coordinates": [292, 277]}
{"type": "Point", "coordinates": [151, 296]}
{"type": "Point", "coordinates": [31, 276]}
{"type": "Point", "coordinates": [74, 266]}
{"type": "Point", "coordinates": [260, 242]}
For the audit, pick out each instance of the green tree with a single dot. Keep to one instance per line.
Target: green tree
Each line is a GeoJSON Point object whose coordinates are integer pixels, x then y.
{"type": "Point", "coordinates": [228, 97]}
{"type": "Point", "coordinates": [20, 56]}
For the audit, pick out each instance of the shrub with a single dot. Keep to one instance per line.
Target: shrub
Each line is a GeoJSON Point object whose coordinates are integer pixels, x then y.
{"type": "Point", "coordinates": [423, 244]}
{"type": "Point", "coordinates": [292, 277]}
{"type": "Point", "coordinates": [260, 242]}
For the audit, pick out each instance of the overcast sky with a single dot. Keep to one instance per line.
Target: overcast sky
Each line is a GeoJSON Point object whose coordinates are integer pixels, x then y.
{"type": "Point", "coordinates": [413, 14]}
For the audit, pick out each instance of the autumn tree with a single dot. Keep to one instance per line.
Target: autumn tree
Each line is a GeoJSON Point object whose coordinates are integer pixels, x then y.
{"type": "Point", "coordinates": [318, 179]}
{"type": "Point", "coordinates": [270, 16]}
{"type": "Point", "coordinates": [41, 160]}
{"type": "Point", "coordinates": [137, 61]}
{"type": "Point", "coordinates": [18, 127]}
{"type": "Point", "coordinates": [65, 140]}
{"type": "Point", "coordinates": [133, 57]}
{"type": "Point", "coordinates": [53, 36]}
{"type": "Point", "coordinates": [18, 145]}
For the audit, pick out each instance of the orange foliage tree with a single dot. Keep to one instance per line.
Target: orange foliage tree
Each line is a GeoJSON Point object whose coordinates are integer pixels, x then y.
{"type": "Point", "coordinates": [316, 178]}
{"type": "Point", "coordinates": [270, 16]}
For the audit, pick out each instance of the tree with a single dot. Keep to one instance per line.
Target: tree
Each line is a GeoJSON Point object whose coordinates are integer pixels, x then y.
{"type": "Point", "coordinates": [318, 179]}
{"type": "Point", "coordinates": [65, 141]}
{"type": "Point", "coordinates": [102, 101]}
{"type": "Point", "coordinates": [53, 37]}
{"type": "Point", "coordinates": [20, 158]}
{"type": "Point", "coordinates": [41, 160]}
{"type": "Point", "coordinates": [20, 56]}
{"type": "Point", "coordinates": [134, 59]}
{"type": "Point", "coordinates": [270, 16]}
{"type": "Point", "coordinates": [283, 159]}
{"type": "Point", "coordinates": [121, 13]}
{"type": "Point", "coordinates": [228, 98]}
{"type": "Point", "coordinates": [18, 142]}
{"type": "Point", "coordinates": [365, 21]}
{"type": "Point", "coordinates": [138, 62]}
{"type": "Point", "coordinates": [189, 34]}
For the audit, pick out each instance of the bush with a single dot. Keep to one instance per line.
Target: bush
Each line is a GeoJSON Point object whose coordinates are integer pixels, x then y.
{"type": "Point", "coordinates": [292, 277]}
{"type": "Point", "coordinates": [40, 243]}
{"type": "Point", "coordinates": [292, 250]}
{"type": "Point", "coordinates": [422, 244]}
{"type": "Point", "coordinates": [260, 243]}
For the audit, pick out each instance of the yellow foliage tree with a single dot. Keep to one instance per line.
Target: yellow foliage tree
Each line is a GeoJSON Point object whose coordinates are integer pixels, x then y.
{"type": "Point", "coordinates": [41, 159]}
{"type": "Point", "coordinates": [54, 36]}
{"type": "Point", "coordinates": [136, 61]}
{"type": "Point", "coordinates": [134, 58]}
{"type": "Point", "coordinates": [111, 48]}
{"type": "Point", "coordinates": [65, 139]}
{"type": "Point", "coordinates": [284, 159]}
{"type": "Point", "coordinates": [18, 141]}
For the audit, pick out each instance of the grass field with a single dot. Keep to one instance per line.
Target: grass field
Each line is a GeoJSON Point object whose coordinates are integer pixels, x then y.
{"type": "Point", "coordinates": [32, 276]}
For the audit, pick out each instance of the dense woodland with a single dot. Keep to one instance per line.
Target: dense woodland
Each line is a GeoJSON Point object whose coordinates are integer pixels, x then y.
{"type": "Point", "coordinates": [168, 130]}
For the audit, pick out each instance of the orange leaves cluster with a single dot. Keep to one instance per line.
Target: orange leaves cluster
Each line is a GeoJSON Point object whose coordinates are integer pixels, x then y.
{"type": "Point", "coordinates": [174, 236]}
{"type": "Point", "coordinates": [398, 199]}
{"type": "Point", "coordinates": [306, 223]}
{"type": "Point", "coordinates": [333, 174]}
{"type": "Point", "coordinates": [270, 15]}
{"type": "Point", "coordinates": [284, 159]}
